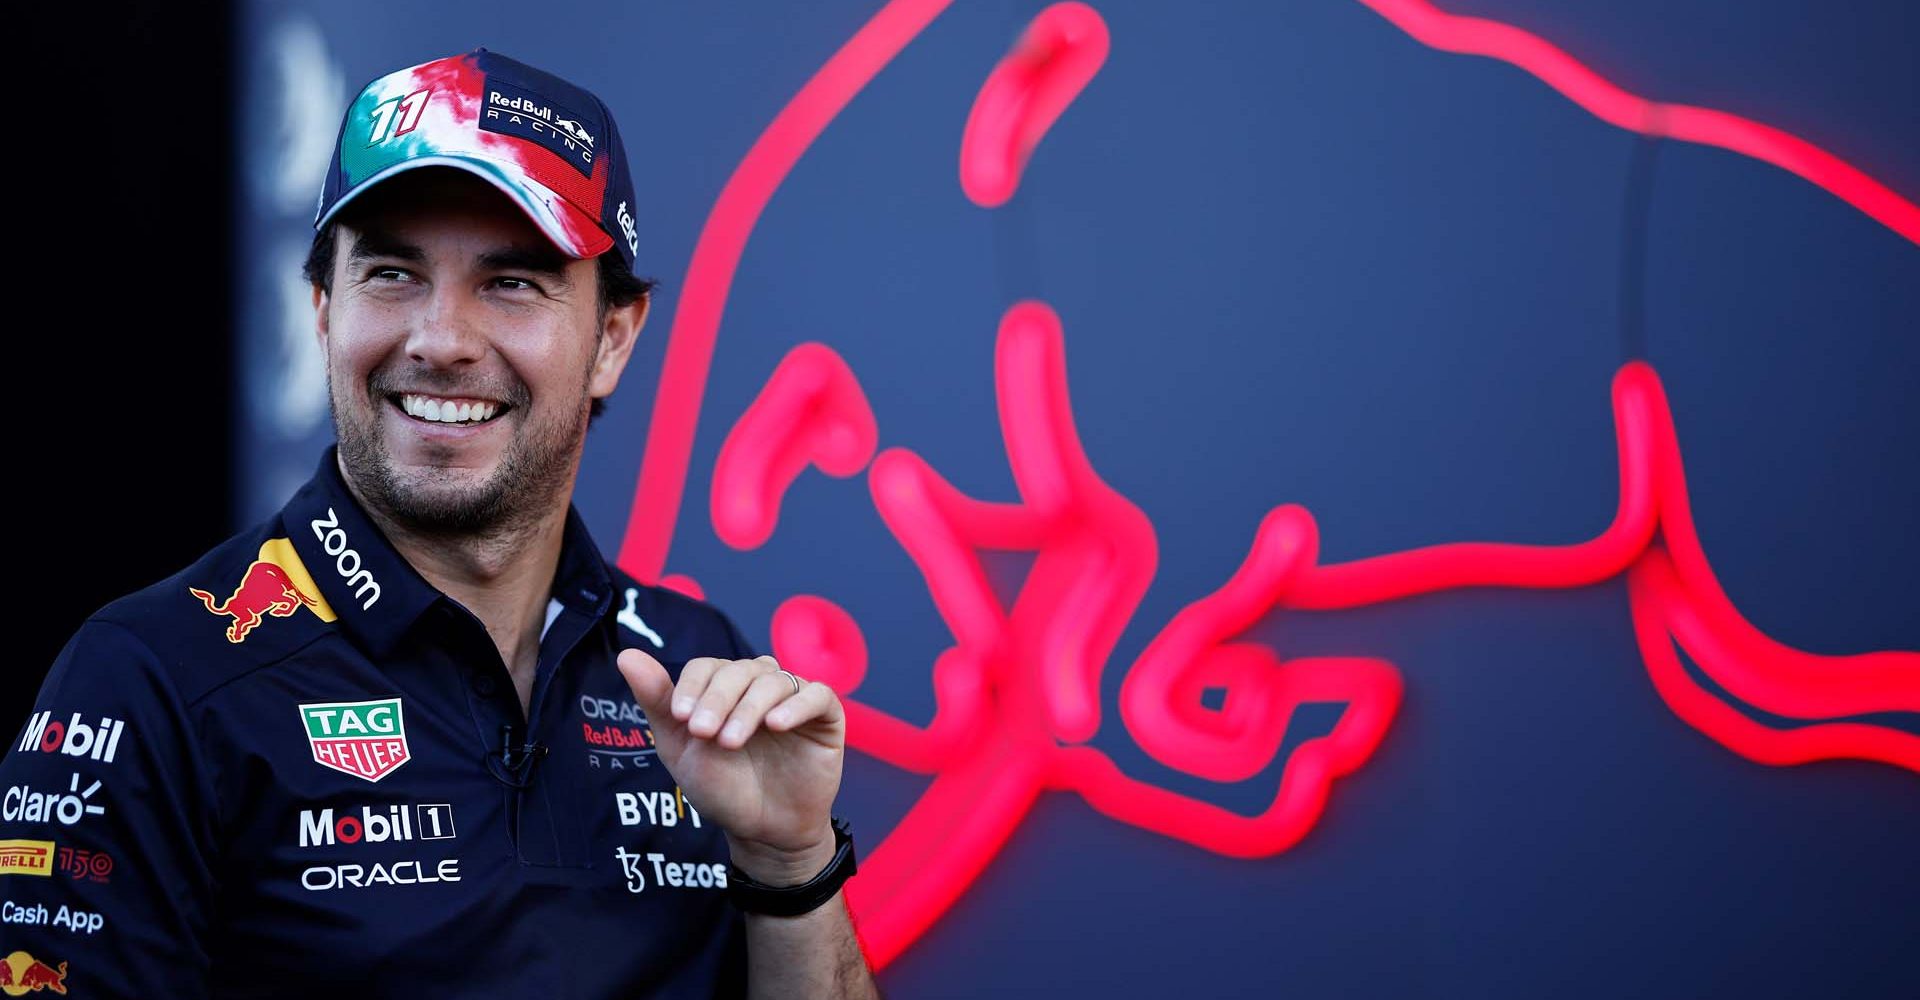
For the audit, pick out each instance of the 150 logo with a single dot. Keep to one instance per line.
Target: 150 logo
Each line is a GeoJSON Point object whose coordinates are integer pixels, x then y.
{"type": "Point", "coordinates": [85, 864]}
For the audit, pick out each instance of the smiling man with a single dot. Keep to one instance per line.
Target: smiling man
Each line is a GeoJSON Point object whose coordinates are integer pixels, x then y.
{"type": "Point", "coordinates": [414, 736]}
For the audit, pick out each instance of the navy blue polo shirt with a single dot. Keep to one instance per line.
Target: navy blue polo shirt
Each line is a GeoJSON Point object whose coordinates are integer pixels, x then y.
{"type": "Point", "coordinates": [296, 768]}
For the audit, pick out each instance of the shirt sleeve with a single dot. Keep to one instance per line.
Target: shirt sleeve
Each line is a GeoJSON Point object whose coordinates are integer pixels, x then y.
{"type": "Point", "coordinates": [106, 830]}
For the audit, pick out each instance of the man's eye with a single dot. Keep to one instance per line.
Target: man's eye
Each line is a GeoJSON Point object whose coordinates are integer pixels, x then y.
{"type": "Point", "coordinates": [517, 284]}
{"type": "Point", "coordinates": [390, 274]}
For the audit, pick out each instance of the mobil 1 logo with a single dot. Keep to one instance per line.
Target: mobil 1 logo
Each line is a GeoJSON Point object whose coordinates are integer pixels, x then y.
{"type": "Point", "coordinates": [328, 827]}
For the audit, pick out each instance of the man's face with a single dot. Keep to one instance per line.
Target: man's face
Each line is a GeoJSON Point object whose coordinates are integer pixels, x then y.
{"type": "Point", "coordinates": [463, 352]}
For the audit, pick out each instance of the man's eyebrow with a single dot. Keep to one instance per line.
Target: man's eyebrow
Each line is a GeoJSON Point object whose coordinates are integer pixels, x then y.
{"type": "Point", "coordinates": [548, 263]}
{"type": "Point", "coordinates": [369, 244]}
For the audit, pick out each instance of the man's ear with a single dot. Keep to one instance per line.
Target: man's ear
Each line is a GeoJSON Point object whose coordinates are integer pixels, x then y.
{"type": "Point", "coordinates": [320, 302]}
{"type": "Point", "coordinates": [618, 332]}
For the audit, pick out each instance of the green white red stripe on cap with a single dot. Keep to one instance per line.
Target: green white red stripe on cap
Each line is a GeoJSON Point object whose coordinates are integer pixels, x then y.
{"type": "Point", "coordinates": [528, 134]}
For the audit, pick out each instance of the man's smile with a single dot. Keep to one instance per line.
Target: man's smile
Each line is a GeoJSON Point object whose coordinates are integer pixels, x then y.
{"type": "Point", "coordinates": [455, 411]}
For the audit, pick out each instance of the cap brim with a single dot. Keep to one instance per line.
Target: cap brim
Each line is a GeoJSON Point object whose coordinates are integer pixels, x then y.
{"type": "Point", "coordinates": [576, 233]}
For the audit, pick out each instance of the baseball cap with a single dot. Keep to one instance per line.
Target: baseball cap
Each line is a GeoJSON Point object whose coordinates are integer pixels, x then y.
{"type": "Point", "coordinates": [548, 145]}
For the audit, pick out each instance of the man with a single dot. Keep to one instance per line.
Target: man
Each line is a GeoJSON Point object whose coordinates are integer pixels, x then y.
{"type": "Point", "coordinates": [413, 736]}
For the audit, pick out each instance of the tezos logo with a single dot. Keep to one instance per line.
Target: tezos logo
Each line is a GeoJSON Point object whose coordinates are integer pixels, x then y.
{"type": "Point", "coordinates": [334, 540]}
{"type": "Point", "coordinates": [319, 828]}
{"type": "Point", "coordinates": [679, 874]}
{"type": "Point", "coordinates": [23, 804]}
{"type": "Point", "coordinates": [367, 739]}
{"type": "Point", "coordinates": [99, 741]}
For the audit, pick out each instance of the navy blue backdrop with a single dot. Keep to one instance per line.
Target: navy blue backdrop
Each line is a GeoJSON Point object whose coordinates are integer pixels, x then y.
{"type": "Point", "coordinates": [1299, 257]}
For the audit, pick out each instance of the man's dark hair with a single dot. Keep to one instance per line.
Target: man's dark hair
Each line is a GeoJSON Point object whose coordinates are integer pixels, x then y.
{"type": "Point", "coordinates": [619, 286]}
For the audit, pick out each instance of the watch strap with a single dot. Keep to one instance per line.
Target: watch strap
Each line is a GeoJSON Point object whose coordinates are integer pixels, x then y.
{"type": "Point", "coordinates": [791, 901]}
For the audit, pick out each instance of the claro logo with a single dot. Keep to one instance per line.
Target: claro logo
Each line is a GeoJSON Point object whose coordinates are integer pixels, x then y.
{"type": "Point", "coordinates": [346, 561]}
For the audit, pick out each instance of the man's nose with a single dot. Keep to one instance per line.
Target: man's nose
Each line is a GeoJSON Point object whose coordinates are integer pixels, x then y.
{"type": "Point", "coordinates": [447, 332]}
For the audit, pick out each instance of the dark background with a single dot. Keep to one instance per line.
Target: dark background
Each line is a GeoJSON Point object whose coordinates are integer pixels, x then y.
{"type": "Point", "coordinates": [1299, 259]}
{"type": "Point", "coordinates": [125, 471]}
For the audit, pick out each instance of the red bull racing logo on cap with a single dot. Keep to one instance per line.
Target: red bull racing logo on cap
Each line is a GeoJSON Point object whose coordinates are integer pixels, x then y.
{"type": "Point", "coordinates": [367, 739]}
{"type": "Point", "coordinates": [521, 113]}
{"type": "Point", "coordinates": [276, 584]}
{"type": "Point", "coordinates": [21, 974]}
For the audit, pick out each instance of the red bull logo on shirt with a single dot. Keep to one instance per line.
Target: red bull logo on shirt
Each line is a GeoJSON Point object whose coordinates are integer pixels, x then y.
{"type": "Point", "coordinates": [276, 584]}
{"type": "Point", "coordinates": [367, 739]}
{"type": "Point", "coordinates": [21, 974]}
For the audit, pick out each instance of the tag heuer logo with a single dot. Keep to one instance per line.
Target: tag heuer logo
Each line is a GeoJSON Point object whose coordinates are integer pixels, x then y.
{"type": "Point", "coordinates": [367, 739]}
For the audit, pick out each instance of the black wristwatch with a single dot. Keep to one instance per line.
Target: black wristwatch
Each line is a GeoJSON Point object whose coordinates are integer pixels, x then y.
{"type": "Point", "coordinates": [758, 897]}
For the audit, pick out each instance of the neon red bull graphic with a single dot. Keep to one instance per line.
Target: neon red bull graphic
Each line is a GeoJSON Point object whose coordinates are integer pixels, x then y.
{"type": "Point", "coordinates": [1017, 692]}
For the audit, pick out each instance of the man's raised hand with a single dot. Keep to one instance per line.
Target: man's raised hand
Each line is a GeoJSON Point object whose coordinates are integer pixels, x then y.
{"type": "Point", "coordinates": [756, 755]}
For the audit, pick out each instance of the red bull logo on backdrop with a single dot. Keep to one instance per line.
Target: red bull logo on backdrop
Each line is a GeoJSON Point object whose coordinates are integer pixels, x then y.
{"type": "Point", "coordinates": [1017, 692]}
{"type": "Point", "coordinates": [276, 585]}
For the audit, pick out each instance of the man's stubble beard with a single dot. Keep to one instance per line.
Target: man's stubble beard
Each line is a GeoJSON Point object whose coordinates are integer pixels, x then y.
{"type": "Point", "coordinates": [536, 468]}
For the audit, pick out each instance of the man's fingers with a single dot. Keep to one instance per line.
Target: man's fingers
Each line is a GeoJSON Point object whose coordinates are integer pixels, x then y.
{"type": "Point", "coordinates": [694, 677]}
{"type": "Point", "coordinates": [766, 691]}
{"type": "Point", "coordinates": [815, 702]}
{"type": "Point", "coordinates": [648, 679]}
{"type": "Point", "coordinates": [722, 691]}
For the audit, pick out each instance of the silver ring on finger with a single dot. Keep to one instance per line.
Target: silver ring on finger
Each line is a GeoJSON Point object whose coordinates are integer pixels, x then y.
{"type": "Point", "coordinates": [795, 678]}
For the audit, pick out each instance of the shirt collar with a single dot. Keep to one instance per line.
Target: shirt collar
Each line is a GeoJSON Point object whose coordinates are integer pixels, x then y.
{"type": "Point", "coordinates": [377, 594]}
{"type": "Point", "coordinates": [581, 581]}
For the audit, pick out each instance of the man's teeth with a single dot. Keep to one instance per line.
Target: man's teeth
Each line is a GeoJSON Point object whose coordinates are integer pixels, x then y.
{"type": "Point", "coordinates": [448, 411]}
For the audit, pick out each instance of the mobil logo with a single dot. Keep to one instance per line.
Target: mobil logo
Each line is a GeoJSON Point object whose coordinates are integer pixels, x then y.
{"type": "Point", "coordinates": [72, 737]}
{"type": "Point", "coordinates": [376, 825]}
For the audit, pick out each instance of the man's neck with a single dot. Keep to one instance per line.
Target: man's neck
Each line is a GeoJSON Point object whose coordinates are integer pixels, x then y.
{"type": "Point", "coordinates": [505, 577]}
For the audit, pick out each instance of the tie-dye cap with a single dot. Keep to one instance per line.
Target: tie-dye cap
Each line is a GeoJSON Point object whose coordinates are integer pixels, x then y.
{"type": "Point", "coordinates": [550, 146]}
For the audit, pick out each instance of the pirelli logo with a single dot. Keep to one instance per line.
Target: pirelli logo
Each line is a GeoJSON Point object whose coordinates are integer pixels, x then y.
{"type": "Point", "coordinates": [26, 857]}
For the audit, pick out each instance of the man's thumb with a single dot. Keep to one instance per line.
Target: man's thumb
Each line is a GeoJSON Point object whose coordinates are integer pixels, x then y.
{"type": "Point", "coordinates": [652, 688]}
